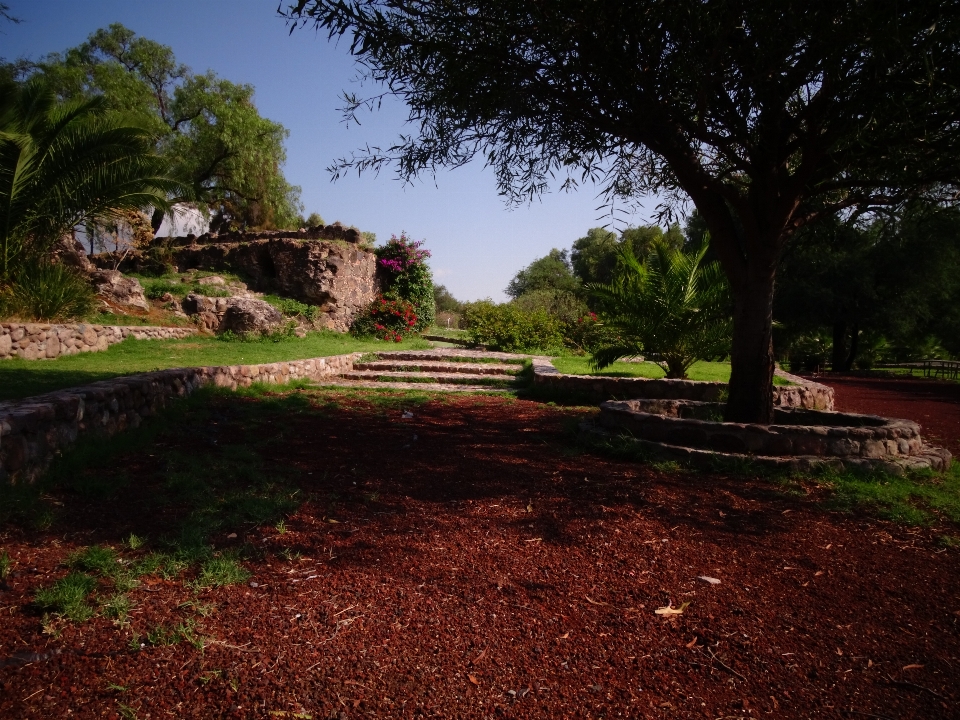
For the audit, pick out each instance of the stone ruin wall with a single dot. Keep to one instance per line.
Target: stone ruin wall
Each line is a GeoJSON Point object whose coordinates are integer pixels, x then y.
{"type": "Point", "coordinates": [323, 266]}
{"type": "Point", "coordinates": [40, 341]}
{"type": "Point", "coordinates": [35, 430]}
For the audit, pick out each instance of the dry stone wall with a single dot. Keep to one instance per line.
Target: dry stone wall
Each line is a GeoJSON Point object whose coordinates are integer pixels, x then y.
{"type": "Point", "coordinates": [322, 266]}
{"type": "Point", "coordinates": [797, 436]}
{"type": "Point", "coordinates": [34, 430]}
{"type": "Point", "coordinates": [39, 341]}
{"type": "Point", "coordinates": [596, 388]}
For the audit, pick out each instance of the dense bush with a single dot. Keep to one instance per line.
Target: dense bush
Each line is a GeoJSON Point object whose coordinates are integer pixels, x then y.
{"type": "Point", "coordinates": [509, 328]}
{"type": "Point", "coordinates": [41, 290]}
{"type": "Point", "coordinates": [408, 277]}
{"type": "Point", "coordinates": [386, 318]}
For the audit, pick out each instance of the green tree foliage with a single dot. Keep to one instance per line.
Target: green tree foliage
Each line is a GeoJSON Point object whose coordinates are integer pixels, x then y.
{"type": "Point", "coordinates": [551, 272]}
{"type": "Point", "coordinates": [670, 306]}
{"type": "Point", "coordinates": [897, 279]}
{"type": "Point", "coordinates": [594, 256]}
{"type": "Point", "coordinates": [767, 115]}
{"type": "Point", "coordinates": [312, 220]}
{"type": "Point", "coordinates": [227, 157]}
{"type": "Point", "coordinates": [444, 301]}
{"type": "Point", "coordinates": [68, 164]}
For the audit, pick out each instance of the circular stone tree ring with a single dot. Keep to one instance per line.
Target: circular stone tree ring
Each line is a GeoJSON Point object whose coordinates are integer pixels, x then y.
{"type": "Point", "coordinates": [797, 436]}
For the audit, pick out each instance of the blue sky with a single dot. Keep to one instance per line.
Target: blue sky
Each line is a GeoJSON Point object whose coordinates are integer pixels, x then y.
{"type": "Point", "coordinates": [478, 243]}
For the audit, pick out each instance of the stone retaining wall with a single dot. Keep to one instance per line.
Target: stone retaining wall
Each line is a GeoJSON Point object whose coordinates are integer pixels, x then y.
{"type": "Point", "coordinates": [34, 430]}
{"type": "Point", "coordinates": [796, 433]}
{"type": "Point", "coordinates": [598, 388]}
{"type": "Point", "coordinates": [38, 341]}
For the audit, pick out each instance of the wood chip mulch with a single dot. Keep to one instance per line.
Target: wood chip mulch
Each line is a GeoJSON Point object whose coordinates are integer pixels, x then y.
{"type": "Point", "coordinates": [476, 564]}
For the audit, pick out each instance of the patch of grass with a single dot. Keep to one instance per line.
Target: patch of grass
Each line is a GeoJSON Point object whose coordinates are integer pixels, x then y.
{"type": "Point", "coordinates": [25, 378]}
{"type": "Point", "coordinates": [68, 597]}
{"type": "Point", "coordinates": [223, 570]}
{"type": "Point", "coordinates": [918, 498]}
{"type": "Point", "coordinates": [117, 607]}
{"type": "Point", "coordinates": [97, 558]}
{"type": "Point", "coordinates": [5, 563]}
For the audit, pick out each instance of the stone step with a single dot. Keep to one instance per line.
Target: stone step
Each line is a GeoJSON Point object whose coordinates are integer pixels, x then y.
{"type": "Point", "coordinates": [390, 376]}
{"type": "Point", "coordinates": [434, 366]}
{"type": "Point", "coordinates": [453, 354]}
{"type": "Point", "coordinates": [426, 387]}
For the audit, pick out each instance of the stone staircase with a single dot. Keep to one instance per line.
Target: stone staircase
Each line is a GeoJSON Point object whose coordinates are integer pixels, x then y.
{"type": "Point", "coordinates": [446, 369]}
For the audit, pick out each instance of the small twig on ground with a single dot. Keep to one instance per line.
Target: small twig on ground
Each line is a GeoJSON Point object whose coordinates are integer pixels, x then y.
{"type": "Point", "coordinates": [866, 714]}
{"type": "Point", "coordinates": [914, 686]}
{"type": "Point", "coordinates": [722, 664]}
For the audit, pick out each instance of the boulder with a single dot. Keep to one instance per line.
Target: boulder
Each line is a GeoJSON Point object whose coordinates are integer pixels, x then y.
{"type": "Point", "coordinates": [71, 252]}
{"type": "Point", "coordinates": [250, 315]}
{"type": "Point", "coordinates": [239, 314]}
{"type": "Point", "coordinates": [212, 280]}
{"type": "Point", "coordinates": [117, 289]}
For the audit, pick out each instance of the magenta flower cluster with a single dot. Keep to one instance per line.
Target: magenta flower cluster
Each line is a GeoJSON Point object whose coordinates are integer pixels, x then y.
{"type": "Point", "coordinates": [402, 253]}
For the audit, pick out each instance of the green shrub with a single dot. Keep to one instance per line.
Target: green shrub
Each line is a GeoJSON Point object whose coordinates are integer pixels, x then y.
{"type": "Point", "coordinates": [42, 290]}
{"type": "Point", "coordinates": [294, 308]}
{"type": "Point", "coordinates": [509, 328]}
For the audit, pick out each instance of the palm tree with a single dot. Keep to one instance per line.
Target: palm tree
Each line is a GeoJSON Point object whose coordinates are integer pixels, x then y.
{"type": "Point", "coordinates": [66, 164]}
{"type": "Point", "coordinates": [671, 307]}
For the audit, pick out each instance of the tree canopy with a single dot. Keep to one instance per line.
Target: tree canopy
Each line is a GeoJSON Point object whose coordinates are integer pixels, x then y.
{"type": "Point", "coordinates": [896, 278]}
{"type": "Point", "coordinates": [768, 116]}
{"type": "Point", "coordinates": [227, 157]}
{"type": "Point", "coordinates": [594, 256]}
{"type": "Point", "coordinates": [551, 272]}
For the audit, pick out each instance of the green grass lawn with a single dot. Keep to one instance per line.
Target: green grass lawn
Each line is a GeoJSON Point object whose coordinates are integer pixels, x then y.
{"type": "Point", "coordinates": [24, 378]}
{"type": "Point", "coordinates": [702, 370]}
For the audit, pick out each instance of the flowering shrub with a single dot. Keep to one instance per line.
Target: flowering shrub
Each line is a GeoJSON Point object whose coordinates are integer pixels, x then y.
{"type": "Point", "coordinates": [403, 261]}
{"type": "Point", "coordinates": [386, 318]}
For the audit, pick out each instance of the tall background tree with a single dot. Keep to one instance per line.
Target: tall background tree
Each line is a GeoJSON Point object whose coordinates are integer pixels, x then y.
{"type": "Point", "coordinates": [768, 116]}
{"type": "Point", "coordinates": [895, 281]}
{"type": "Point", "coordinates": [227, 157]}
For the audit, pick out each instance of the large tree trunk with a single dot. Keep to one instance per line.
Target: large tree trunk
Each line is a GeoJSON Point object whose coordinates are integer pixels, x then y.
{"type": "Point", "coordinates": [156, 220]}
{"type": "Point", "coordinates": [854, 348]}
{"type": "Point", "coordinates": [750, 396]}
{"type": "Point", "coordinates": [839, 355]}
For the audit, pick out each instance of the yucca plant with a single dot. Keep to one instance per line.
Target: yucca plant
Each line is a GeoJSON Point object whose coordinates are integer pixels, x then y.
{"type": "Point", "coordinates": [66, 164]}
{"type": "Point", "coordinates": [43, 290]}
{"type": "Point", "coordinates": [670, 306]}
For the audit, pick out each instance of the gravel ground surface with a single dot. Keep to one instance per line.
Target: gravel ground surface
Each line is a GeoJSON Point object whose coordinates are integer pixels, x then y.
{"type": "Point", "coordinates": [460, 558]}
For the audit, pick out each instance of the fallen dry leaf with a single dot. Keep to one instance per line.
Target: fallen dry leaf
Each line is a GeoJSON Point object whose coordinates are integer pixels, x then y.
{"type": "Point", "coordinates": [692, 643]}
{"type": "Point", "coordinates": [912, 667]}
{"type": "Point", "coordinates": [564, 636]}
{"type": "Point", "coordinates": [671, 610]}
{"type": "Point", "coordinates": [473, 679]}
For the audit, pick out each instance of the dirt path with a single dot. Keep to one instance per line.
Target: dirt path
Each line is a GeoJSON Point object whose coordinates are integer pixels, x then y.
{"type": "Point", "coordinates": [468, 562]}
{"type": "Point", "coordinates": [933, 404]}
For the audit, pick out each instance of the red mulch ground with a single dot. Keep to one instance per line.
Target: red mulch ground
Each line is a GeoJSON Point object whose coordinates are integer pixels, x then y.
{"type": "Point", "coordinates": [499, 573]}
{"type": "Point", "coordinates": [932, 403]}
